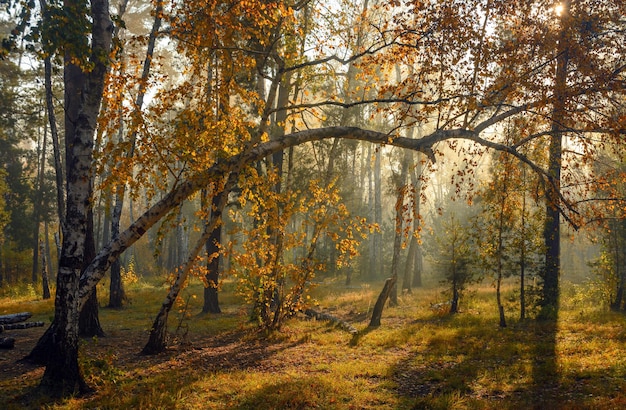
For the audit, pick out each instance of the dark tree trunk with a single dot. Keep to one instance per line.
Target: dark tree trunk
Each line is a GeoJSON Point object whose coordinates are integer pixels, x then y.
{"type": "Point", "coordinates": [522, 263]}
{"type": "Point", "coordinates": [454, 303]}
{"type": "Point", "coordinates": [116, 290]}
{"type": "Point", "coordinates": [38, 205]}
{"type": "Point", "coordinates": [62, 376]}
{"type": "Point", "coordinates": [408, 267]}
{"type": "Point", "coordinates": [499, 300]}
{"type": "Point", "coordinates": [211, 302]}
{"type": "Point", "coordinates": [552, 231]}
{"type": "Point", "coordinates": [615, 237]}
{"type": "Point", "coordinates": [416, 181]}
{"type": "Point", "coordinates": [44, 272]}
{"type": "Point", "coordinates": [377, 313]}
{"type": "Point", "coordinates": [157, 342]}
{"type": "Point", "coordinates": [89, 320]}
{"type": "Point", "coordinates": [40, 354]}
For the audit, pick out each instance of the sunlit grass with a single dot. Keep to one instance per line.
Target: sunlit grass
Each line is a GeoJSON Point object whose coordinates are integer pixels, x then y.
{"type": "Point", "coordinates": [418, 358]}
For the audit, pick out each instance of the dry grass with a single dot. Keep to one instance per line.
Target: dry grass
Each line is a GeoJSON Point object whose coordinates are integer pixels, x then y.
{"type": "Point", "coordinates": [417, 359]}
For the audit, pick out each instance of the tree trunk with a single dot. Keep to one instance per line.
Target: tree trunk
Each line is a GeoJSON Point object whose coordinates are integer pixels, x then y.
{"type": "Point", "coordinates": [416, 181]}
{"type": "Point", "coordinates": [377, 313]}
{"type": "Point", "coordinates": [551, 232]}
{"type": "Point", "coordinates": [454, 303]}
{"type": "Point", "coordinates": [522, 263]}
{"type": "Point", "coordinates": [44, 272]}
{"type": "Point", "coordinates": [616, 232]}
{"type": "Point", "coordinates": [54, 133]}
{"type": "Point", "coordinates": [116, 289]}
{"type": "Point", "coordinates": [89, 321]}
{"type": "Point", "coordinates": [83, 95]}
{"type": "Point", "coordinates": [499, 300]}
{"type": "Point", "coordinates": [117, 296]}
{"type": "Point", "coordinates": [398, 233]}
{"type": "Point", "coordinates": [38, 203]}
{"type": "Point", "coordinates": [46, 243]}
{"type": "Point", "coordinates": [211, 302]}
{"type": "Point", "coordinates": [410, 267]}
{"type": "Point", "coordinates": [157, 340]}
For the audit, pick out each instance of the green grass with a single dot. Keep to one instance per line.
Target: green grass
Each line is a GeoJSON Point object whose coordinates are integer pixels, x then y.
{"type": "Point", "coordinates": [417, 359]}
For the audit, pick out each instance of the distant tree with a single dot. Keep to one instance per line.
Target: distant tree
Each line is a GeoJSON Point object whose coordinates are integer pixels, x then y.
{"type": "Point", "coordinates": [5, 217]}
{"type": "Point", "coordinates": [610, 230]}
{"type": "Point", "coordinates": [452, 255]}
{"type": "Point", "coordinates": [389, 291]}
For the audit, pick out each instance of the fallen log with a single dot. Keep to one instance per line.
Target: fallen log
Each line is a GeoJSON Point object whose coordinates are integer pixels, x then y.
{"type": "Point", "coordinates": [25, 325]}
{"type": "Point", "coordinates": [14, 318]}
{"type": "Point", "coordinates": [330, 318]}
{"type": "Point", "coordinates": [7, 343]}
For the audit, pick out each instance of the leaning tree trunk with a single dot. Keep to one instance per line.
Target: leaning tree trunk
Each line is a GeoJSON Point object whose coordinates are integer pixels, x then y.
{"type": "Point", "coordinates": [157, 340]}
{"type": "Point", "coordinates": [377, 313]}
{"type": "Point", "coordinates": [390, 289]}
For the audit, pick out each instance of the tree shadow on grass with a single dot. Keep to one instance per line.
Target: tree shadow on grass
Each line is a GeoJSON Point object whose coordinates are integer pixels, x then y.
{"type": "Point", "coordinates": [473, 360]}
{"type": "Point", "coordinates": [298, 393]}
{"type": "Point", "coordinates": [472, 363]}
{"type": "Point", "coordinates": [124, 379]}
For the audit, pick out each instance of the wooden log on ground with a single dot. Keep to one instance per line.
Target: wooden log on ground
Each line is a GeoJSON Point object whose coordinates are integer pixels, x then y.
{"type": "Point", "coordinates": [330, 318]}
{"type": "Point", "coordinates": [14, 318]}
{"type": "Point", "coordinates": [25, 325]}
{"type": "Point", "coordinates": [7, 343]}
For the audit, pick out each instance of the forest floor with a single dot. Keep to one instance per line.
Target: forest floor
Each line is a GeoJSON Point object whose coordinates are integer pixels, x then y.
{"type": "Point", "coordinates": [420, 358]}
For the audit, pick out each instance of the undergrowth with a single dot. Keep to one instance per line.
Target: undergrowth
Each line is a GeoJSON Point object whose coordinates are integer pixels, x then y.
{"type": "Point", "coordinates": [418, 359]}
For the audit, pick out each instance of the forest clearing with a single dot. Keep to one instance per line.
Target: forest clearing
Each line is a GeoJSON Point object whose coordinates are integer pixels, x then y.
{"type": "Point", "coordinates": [418, 358]}
{"type": "Point", "coordinates": [441, 185]}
